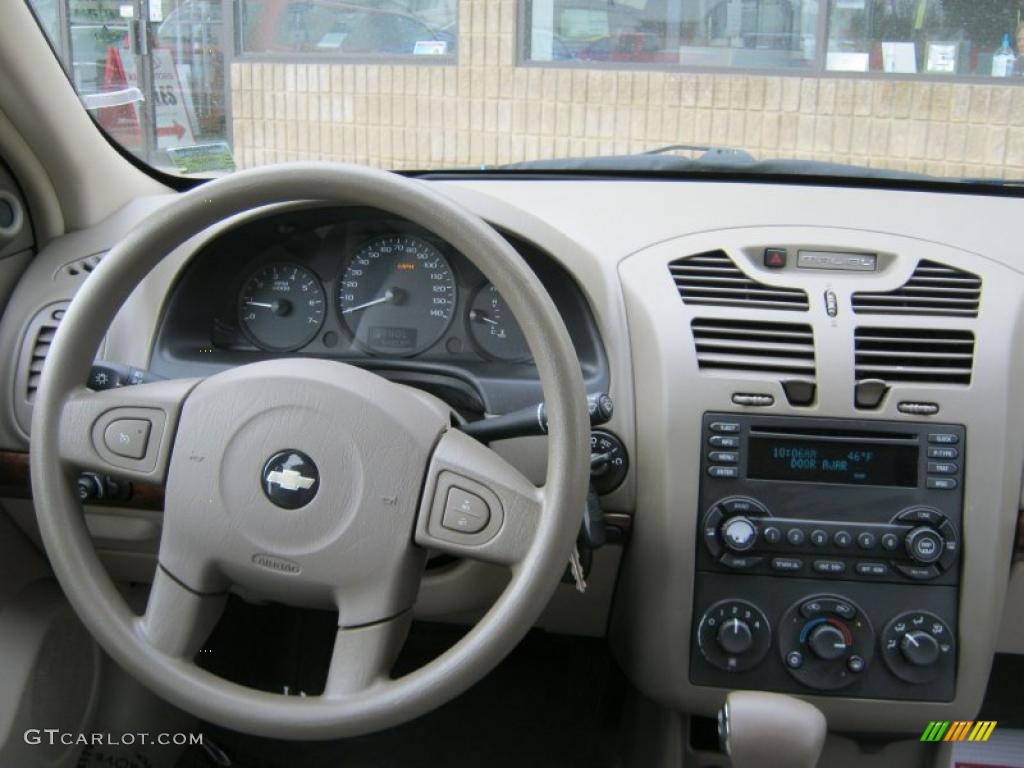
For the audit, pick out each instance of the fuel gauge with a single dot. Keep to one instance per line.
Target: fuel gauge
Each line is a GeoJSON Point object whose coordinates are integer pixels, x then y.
{"type": "Point", "coordinates": [493, 328]}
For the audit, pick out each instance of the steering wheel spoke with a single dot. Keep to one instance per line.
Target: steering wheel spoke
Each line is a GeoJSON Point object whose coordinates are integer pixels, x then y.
{"type": "Point", "coordinates": [127, 431]}
{"type": "Point", "coordinates": [178, 620]}
{"type": "Point", "coordinates": [476, 504]}
{"type": "Point", "coordinates": [362, 656]}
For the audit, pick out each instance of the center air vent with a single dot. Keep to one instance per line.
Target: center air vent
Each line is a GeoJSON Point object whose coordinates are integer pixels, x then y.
{"type": "Point", "coordinates": [914, 355]}
{"type": "Point", "coordinates": [933, 289]}
{"type": "Point", "coordinates": [783, 349]}
{"type": "Point", "coordinates": [713, 279]}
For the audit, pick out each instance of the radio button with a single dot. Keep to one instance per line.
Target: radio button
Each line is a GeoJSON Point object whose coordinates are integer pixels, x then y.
{"type": "Point", "coordinates": [872, 569]}
{"type": "Point", "coordinates": [741, 506]}
{"type": "Point", "coordinates": [943, 453]}
{"type": "Point", "coordinates": [819, 538]}
{"type": "Point", "coordinates": [866, 540]}
{"type": "Point", "coordinates": [918, 572]}
{"type": "Point", "coordinates": [724, 457]}
{"type": "Point", "coordinates": [771, 535]}
{"type": "Point", "coordinates": [830, 566]}
{"type": "Point", "coordinates": [842, 539]}
{"type": "Point", "coordinates": [795, 536]}
{"type": "Point", "coordinates": [941, 483]}
{"type": "Point", "coordinates": [711, 522]}
{"type": "Point", "coordinates": [723, 472]}
{"type": "Point", "coordinates": [730, 427]}
{"type": "Point", "coordinates": [943, 438]}
{"type": "Point", "coordinates": [921, 515]}
{"type": "Point", "coordinates": [729, 443]}
{"type": "Point", "coordinates": [942, 468]}
{"type": "Point", "coordinates": [739, 561]}
{"type": "Point", "coordinates": [890, 541]}
{"type": "Point", "coordinates": [787, 564]}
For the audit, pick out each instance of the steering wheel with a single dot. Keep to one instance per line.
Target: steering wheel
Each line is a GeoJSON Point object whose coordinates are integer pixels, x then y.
{"type": "Point", "coordinates": [307, 482]}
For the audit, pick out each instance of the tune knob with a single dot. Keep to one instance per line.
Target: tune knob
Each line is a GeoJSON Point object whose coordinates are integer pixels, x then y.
{"type": "Point", "coordinates": [739, 534]}
{"type": "Point", "coordinates": [919, 648]}
{"type": "Point", "coordinates": [924, 545]}
{"type": "Point", "coordinates": [828, 642]}
{"type": "Point", "coordinates": [734, 637]}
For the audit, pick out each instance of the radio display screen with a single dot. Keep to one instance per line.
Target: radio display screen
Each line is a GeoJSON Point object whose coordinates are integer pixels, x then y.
{"type": "Point", "coordinates": [832, 461]}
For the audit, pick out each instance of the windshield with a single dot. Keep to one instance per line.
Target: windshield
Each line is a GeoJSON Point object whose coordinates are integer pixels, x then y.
{"type": "Point", "coordinates": [845, 87]}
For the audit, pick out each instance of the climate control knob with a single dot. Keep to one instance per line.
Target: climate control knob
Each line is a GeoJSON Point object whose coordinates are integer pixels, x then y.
{"type": "Point", "coordinates": [734, 637]}
{"type": "Point", "coordinates": [924, 545]}
{"type": "Point", "coordinates": [828, 642]}
{"type": "Point", "coordinates": [919, 648]}
{"type": "Point", "coordinates": [739, 534]}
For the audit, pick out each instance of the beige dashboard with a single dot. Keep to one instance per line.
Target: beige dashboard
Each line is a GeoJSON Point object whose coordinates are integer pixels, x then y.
{"type": "Point", "coordinates": [617, 238]}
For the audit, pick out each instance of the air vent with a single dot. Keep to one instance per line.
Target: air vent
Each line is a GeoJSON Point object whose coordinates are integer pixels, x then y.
{"type": "Point", "coordinates": [82, 267]}
{"type": "Point", "coordinates": [914, 355]}
{"type": "Point", "coordinates": [933, 289]}
{"type": "Point", "coordinates": [783, 349]}
{"type": "Point", "coordinates": [39, 349]}
{"type": "Point", "coordinates": [713, 279]}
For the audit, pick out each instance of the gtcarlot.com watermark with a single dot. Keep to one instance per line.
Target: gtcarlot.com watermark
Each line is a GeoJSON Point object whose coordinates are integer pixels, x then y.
{"type": "Point", "coordinates": [54, 736]}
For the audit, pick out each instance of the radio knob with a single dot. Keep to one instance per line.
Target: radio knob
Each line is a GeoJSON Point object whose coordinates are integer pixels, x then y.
{"type": "Point", "coordinates": [828, 642]}
{"type": "Point", "coordinates": [924, 545]}
{"type": "Point", "coordinates": [735, 637]}
{"type": "Point", "coordinates": [739, 534]}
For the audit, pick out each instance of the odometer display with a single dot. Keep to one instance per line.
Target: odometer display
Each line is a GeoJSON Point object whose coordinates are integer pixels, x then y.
{"type": "Point", "coordinates": [281, 307]}
{"type": "Point", "coordinates": [397, 295]}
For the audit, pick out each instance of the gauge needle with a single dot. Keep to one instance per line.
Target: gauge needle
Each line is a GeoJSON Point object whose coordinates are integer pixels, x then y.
{"type": "Point", "coordinates": [476, 314]}
{"type": "Point", "coordinates": [259, 304]}
{"type": "Point", "coordinates": [388, 296]}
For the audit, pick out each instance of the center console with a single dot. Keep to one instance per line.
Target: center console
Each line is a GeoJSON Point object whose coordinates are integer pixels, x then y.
{"type": "Point", "coordinates": [828, 556]}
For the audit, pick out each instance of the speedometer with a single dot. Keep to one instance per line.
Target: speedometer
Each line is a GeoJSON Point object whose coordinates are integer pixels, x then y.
{"type": "Point", "coordinates": [397, 295]}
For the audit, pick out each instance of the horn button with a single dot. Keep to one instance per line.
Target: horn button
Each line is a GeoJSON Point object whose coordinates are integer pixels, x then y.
{"type": "Point", "coordinates": [328, 518]}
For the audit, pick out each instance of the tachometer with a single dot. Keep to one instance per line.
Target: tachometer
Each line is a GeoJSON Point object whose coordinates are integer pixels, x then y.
{"type": "Point", "coordinates": [397, 295]}
{"type": "Point", "coordinates": [281, 307]}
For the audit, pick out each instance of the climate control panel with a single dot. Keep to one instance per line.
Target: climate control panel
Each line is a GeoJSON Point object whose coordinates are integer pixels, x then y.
{"type": "Point", "coordinates": [856, 641]}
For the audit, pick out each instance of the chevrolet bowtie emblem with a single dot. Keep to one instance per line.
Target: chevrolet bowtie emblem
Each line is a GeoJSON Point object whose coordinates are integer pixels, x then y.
{"type": "Point", "coordinates": [290, 480]}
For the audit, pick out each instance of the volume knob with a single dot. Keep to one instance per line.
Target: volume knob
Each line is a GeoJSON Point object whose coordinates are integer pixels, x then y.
{"type": "Point", "coordinates": [739, 534]}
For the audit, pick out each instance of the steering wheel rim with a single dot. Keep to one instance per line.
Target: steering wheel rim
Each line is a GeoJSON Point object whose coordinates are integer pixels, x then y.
{"type": "Point", "coordinates": [64, 412]}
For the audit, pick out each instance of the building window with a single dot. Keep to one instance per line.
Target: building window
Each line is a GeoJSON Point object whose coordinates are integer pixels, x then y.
{"type": "Point", "coordinates": [748, 34]}
{"type": "Point", "coordinates": [927, 37]}
{"type": "Point", "coordinates": [358, 28]}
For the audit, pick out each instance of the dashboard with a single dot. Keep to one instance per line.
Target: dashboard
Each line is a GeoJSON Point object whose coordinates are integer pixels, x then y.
{"type": "Point", "coordinates": [817, 388]}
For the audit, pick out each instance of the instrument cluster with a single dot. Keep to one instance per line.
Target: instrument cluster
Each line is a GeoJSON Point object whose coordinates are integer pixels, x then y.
{"type": "Point", "coordinates": [364, 287]}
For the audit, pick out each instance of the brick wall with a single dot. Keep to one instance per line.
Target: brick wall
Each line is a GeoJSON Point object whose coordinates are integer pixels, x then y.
{"type": "Point", "coordinates": [487, 110]}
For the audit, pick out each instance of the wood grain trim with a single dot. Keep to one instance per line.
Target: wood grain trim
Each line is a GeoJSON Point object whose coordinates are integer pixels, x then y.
{"type": "Point", "coordinates": [16, 483]}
